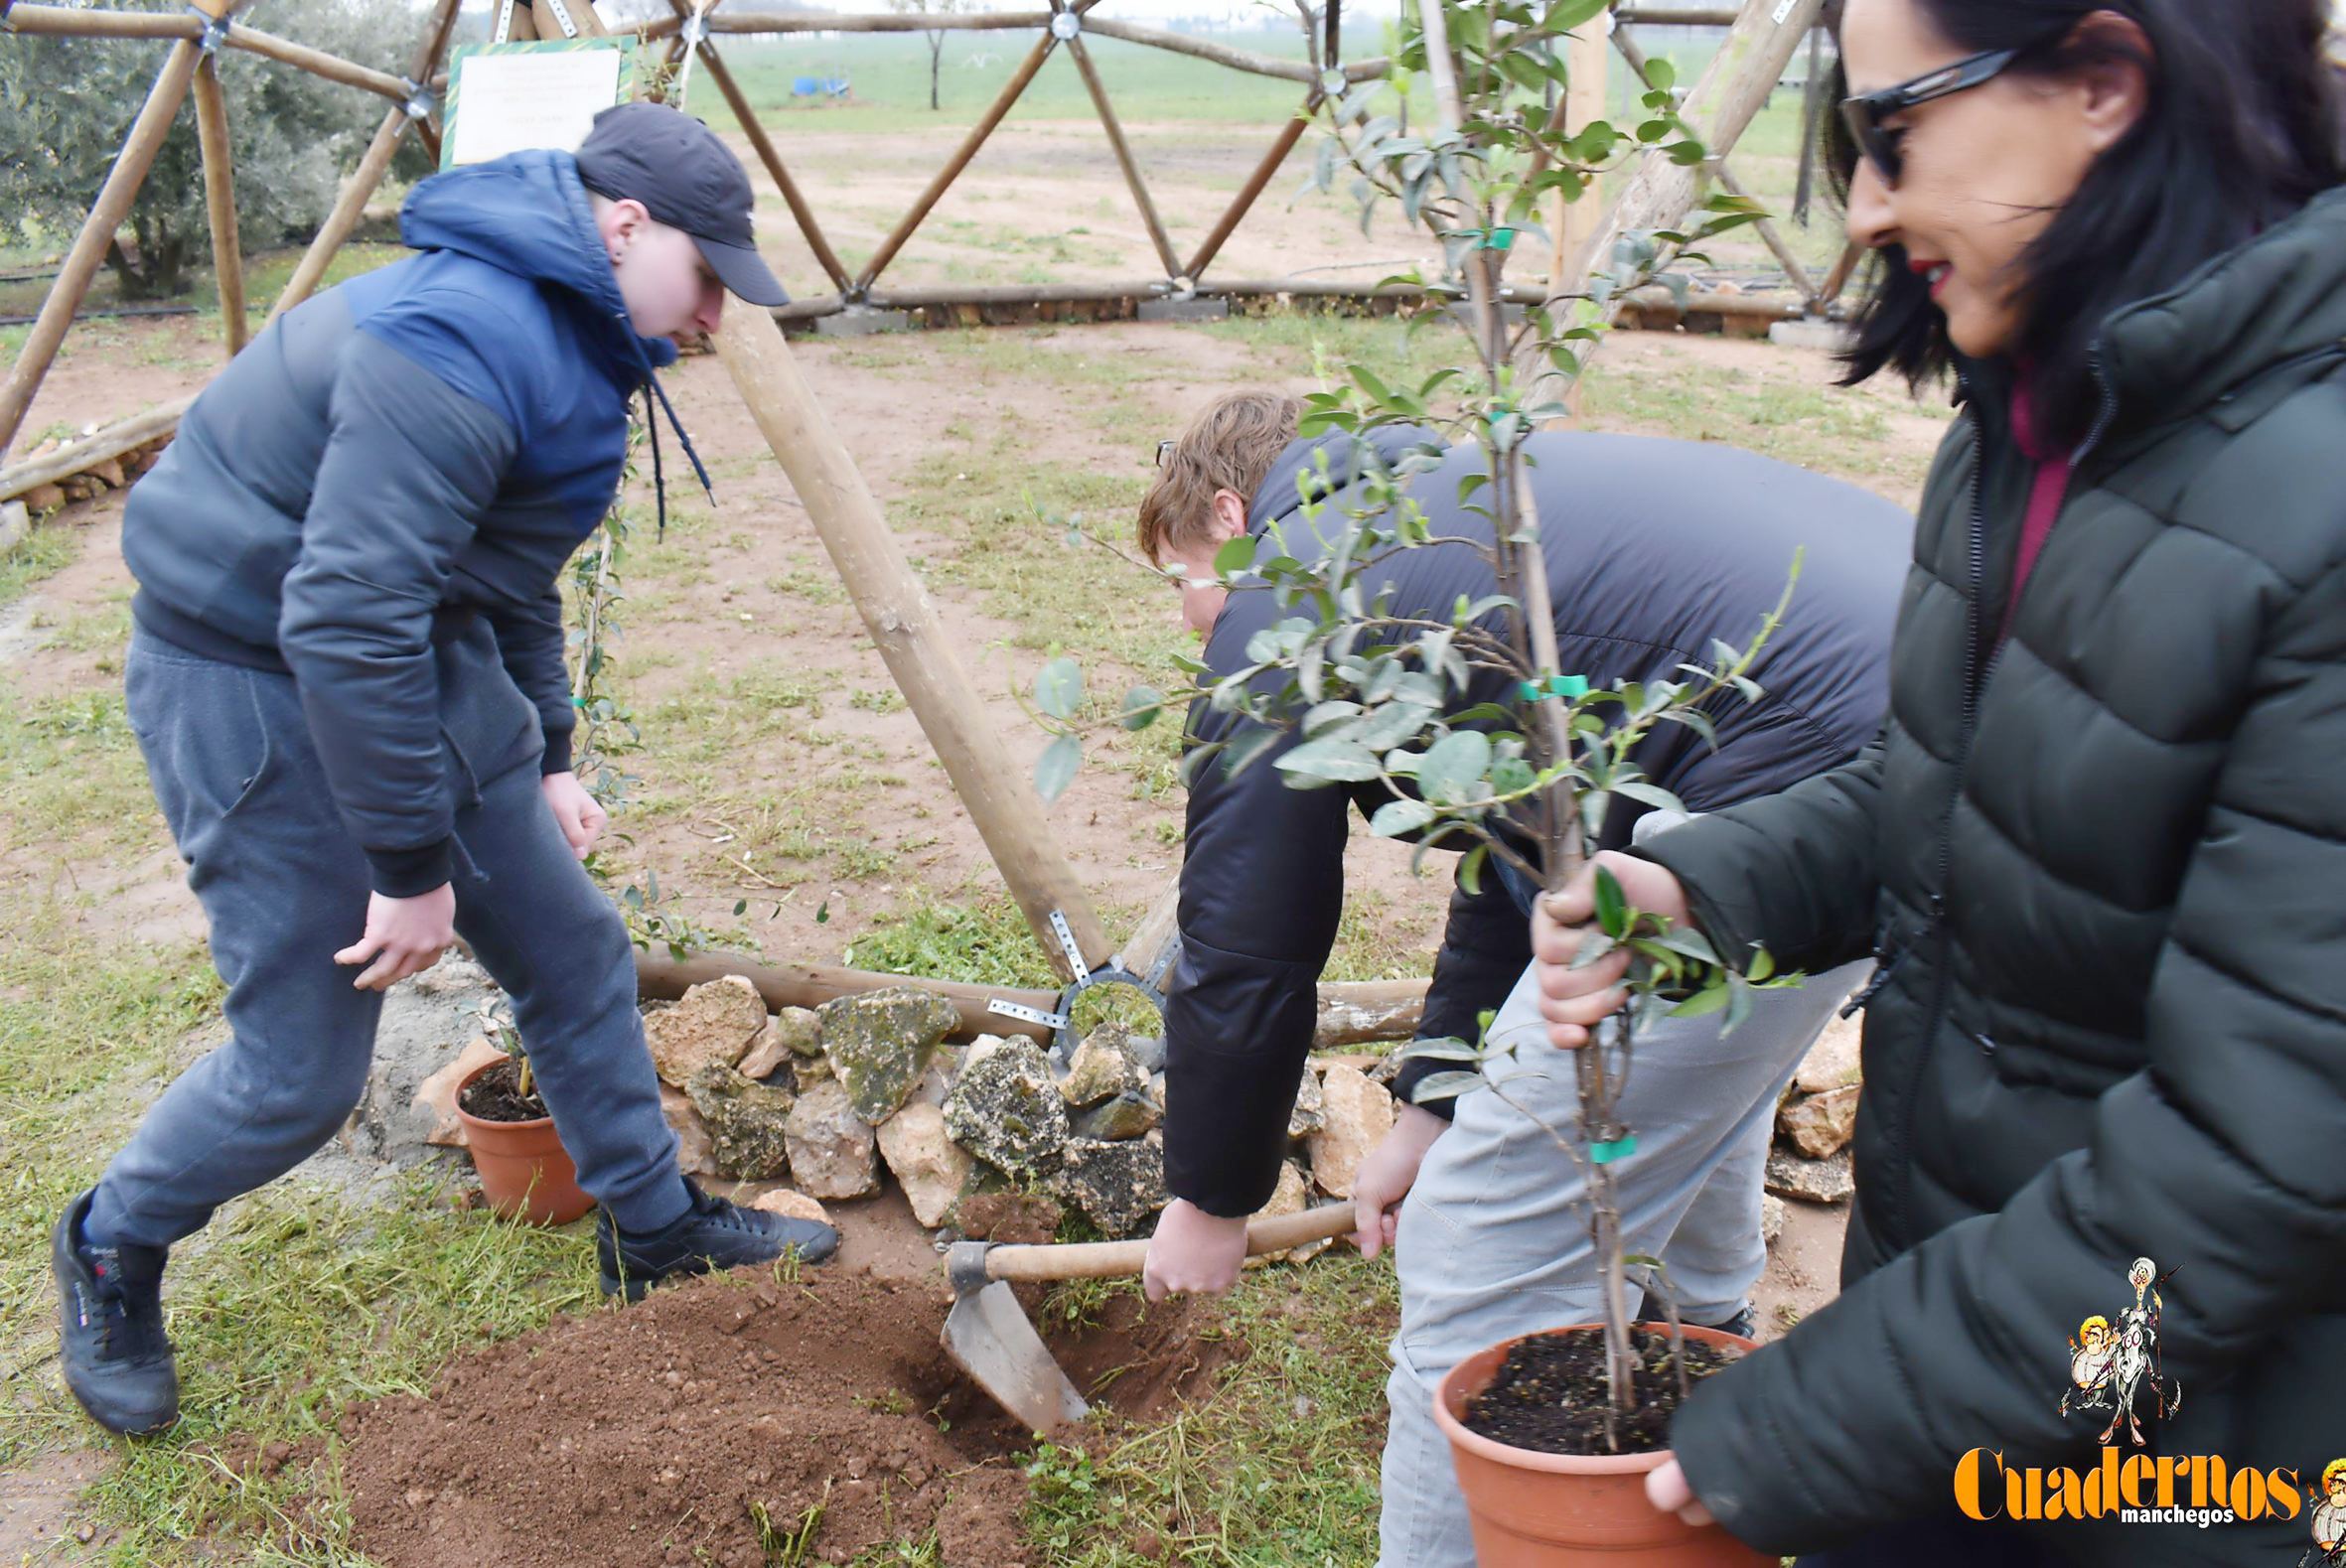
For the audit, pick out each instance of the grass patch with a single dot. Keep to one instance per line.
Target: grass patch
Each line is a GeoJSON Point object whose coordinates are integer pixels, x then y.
{"type": "Point", "coordinates": [45, 550]}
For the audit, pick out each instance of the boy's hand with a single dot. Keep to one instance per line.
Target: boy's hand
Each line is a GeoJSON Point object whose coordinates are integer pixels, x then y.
{"type": "Point", "coordinates": [1193, 1252]}
{"type": "Point", "coordinates": [582, 819]}
{"type": "Point", "coordinates": [405, 937]}
{"type": "Point", "coordinates": [1388, 1174]}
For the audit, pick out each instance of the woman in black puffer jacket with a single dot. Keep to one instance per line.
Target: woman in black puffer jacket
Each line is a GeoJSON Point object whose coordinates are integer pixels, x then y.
{"type": "Point", "coordinates": [2099, 848]}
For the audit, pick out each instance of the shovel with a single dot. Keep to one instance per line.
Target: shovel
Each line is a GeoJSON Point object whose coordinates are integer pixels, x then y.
{"type": "Point", "coordinates": [987, 1333]}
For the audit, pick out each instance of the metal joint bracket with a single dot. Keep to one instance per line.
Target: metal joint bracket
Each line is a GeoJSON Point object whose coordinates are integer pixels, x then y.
{"type": "Point", "coordinates": [1077, 964]}
{"type": "Point", "coordinates": [1334, 82]}
{"type": "Point", "coordinates": [215, 34]}
{"type": "Point", "coordinates": [1054, 1022]}
{"type": "Point", "coordinates": [1063, 1036]}
{"type": "Point", "coordinates": [695, 29]}
{"type": "Point", "coordinates": [1065, 26]}
{"type": "Point", "coordinates": [420, 103]}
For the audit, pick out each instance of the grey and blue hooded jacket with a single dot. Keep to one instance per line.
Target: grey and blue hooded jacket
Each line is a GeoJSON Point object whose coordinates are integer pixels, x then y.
{"type": "Point", "coordinates": [401, 459]}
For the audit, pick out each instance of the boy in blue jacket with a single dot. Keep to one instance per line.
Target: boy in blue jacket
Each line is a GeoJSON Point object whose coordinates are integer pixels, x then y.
{"type": "Point", "coordinates": [347, 677]}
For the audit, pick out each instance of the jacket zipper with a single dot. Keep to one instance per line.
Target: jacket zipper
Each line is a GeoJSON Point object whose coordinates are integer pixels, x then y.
{"type": "Point", "coordinates": [1975, 677]}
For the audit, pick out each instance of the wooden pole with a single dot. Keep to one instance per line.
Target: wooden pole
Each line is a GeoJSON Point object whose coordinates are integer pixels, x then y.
{"type": "Point", "coordinates": [800, 209]}
{"type": "Point", "coordinates": [317, 63]}
{"type": "Point", "coordinates": [959, 159]}
{"type": "Point", "coordinates": [1252, 191]}
{"type": "Point", "coordinates": [1586, 60]}
{"type": "Point", "coordinates": [106, 215]}
{"type": "Point", "coordinates": [57, 21]}
{"type": "Point", "coordinates": [1224, 54]}
{"type": "Point", "coordinates": [371, 167]}
{"type": "Point", "coordinates": [1350, 1013]}
{"type": "Point", "coordinates": [124, 435]}
{"type": "Point", "coordinates": [1730, 91]}
{"type": "Point", "coordinates": [1838, 280]}
{"type": "Point", "coordinates": [1000, 799]}
{"type": "Point", "coordinates": [1125, 159]}
{"type": "Point", "coordinates": [219, 196]}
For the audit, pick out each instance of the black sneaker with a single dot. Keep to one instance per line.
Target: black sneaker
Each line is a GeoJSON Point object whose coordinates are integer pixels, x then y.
{"type": "Point", "coordinates": [713, 1233]}
{"type": "Point", "coordinates": [1744, 1324]}
{"type": "Point", "coordinates": [111, 1329]}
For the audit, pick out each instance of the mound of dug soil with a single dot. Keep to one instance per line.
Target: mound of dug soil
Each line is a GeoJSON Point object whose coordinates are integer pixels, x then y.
{"type": "Point", "coordinates": [720, 1419]}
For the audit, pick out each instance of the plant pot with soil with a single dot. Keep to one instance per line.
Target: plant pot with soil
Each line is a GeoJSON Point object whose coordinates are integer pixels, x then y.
{"type": "Point", "coordinates": [1526, 1420]}
{"type": "Point", "coordinates": [526, 1173]}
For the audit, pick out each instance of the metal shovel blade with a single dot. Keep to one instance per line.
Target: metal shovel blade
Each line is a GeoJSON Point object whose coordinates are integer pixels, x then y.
{"type": "Point", "coordinates": [988, 1333]}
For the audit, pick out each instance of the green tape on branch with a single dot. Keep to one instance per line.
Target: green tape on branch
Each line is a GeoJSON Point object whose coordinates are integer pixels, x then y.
{"type": "Point", "coordinates": [1497, 239]}
{"type": "Point", "coordinates": [1620, 1148]}
{"type": "Point", "coordinates": [1571, 687]}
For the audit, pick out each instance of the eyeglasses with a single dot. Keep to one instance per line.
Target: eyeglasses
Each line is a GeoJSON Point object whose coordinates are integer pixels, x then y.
{"type": "Point", "coordinates": [1864, 114]}
{"type": "Point", "coordinates": [1164, 451]}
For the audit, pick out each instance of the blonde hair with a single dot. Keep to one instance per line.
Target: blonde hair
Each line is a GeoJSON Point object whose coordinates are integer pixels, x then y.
{"type": "Point", "coordinates": [1230, 445]}
{"type": "Point", "coordinates": [2333, 1472]}
{"type": "Point", "coordinates": [2097, 1321]}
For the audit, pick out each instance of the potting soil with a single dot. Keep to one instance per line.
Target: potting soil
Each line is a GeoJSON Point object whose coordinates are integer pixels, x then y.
{"type": "Point", "coordinates": [494, 1096]}
{"type": "Point", "coordinates": [1550, 1391]}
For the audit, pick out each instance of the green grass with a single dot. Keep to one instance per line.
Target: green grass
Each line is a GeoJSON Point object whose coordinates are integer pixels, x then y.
{"type": "Point", "coordinates": [45, 549]}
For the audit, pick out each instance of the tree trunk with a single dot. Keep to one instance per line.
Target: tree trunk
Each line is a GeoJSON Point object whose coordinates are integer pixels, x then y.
{"type": "Point", "coordinates": [936, 63]}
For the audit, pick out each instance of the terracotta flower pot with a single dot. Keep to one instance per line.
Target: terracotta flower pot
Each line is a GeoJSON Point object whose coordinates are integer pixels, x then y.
{"type": "Point", "coordinates": [524, 1170]}
{"type": "Point", "coordinates": [1544, 1511]}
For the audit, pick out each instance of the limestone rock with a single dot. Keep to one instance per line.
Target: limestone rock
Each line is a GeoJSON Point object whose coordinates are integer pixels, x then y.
{"type": "Point", "coordinates": [1831, 1061]}
{"type": "Point", "coordinates": [1311, 1105]}
{"type": "Point", "coordinates": [943, 1072]}
{"type": "Point", "coordinates": [1357, 1115]}
{"type": "Point", "coordinates": [747, 1120]}
{"type": "Point", "coordinates": [1007, 1110]}
{"type": "Point", "coordinates": [1811, 1181]}
{"type": "Point", "coordinates": [1119, 1187]}
{"type": "Point", "coordinates": [1128, 1115]}
{"type": "Point", "coordinates": [1771, 1218]}
{"type": "Point", "coordinates": [1291, 1197]}
{"type": "Point", "coordinates": [790, 1034]}
{"type": "Point", "coordinates": [878, 1044]}
{"type": "Point", "coordinates": [931, 1167]}
{"type": "Point", "coordinates": [694, 1152]}
{"type": "Point", "coordinates": [1103, 1066]}
{"type": "Point", "coordinates": [1149, 1052]}
{"type": "Point", "coordinates": [832, 1153]}
{"type": "Point", "coordinates": [714, 1023]}
{"type": "Point", "coordinates": [1026, 1218]}
{"type": "Point", "coordinates": [796, 1204]}
{"type": "Point", "coordinates": [437, 1094]}
{"type": "Point", "coordinates": [1820, 1125]}
{"type": "Point", "coordinates": [811, 1070]}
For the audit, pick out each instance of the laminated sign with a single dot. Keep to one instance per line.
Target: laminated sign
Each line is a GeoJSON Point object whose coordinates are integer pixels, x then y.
{"type": "Point", "coordinates": [505, 97]}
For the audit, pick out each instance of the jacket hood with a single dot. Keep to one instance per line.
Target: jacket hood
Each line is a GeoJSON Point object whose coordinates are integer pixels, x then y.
{"type": "Point", "coordinates": [499, 211]}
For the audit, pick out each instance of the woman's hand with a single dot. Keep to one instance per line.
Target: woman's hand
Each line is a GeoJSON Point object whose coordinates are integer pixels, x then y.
{"type": "Point", "coordinates": [1666, 1489]}
{"type": "Point", "coordinates": [1574, 1001]}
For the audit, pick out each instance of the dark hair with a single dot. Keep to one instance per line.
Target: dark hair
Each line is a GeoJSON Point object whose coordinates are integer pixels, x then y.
{"type": "Point", "coordinates": [2241, 129]}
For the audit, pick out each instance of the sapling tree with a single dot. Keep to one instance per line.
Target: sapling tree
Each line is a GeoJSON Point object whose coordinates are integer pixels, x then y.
{"type": "Point", "coordinates": [1347, 691]}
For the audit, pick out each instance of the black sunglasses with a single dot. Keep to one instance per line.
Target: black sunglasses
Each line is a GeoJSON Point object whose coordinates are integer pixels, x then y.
{"type": "Point", "coordinates": [1864, 114]}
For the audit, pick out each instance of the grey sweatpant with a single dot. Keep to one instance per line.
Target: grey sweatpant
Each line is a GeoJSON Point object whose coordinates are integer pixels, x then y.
{"type": "Point", "coordinates": [284, 886]}
{"type": "Point", "coordinates": [1494, 1242]}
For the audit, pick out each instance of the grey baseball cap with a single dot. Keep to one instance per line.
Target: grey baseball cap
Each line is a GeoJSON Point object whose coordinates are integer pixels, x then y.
{"type": "Point", "coordinates": [686, 179]}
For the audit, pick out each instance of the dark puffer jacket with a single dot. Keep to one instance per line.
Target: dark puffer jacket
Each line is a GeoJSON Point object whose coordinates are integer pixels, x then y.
{"type": "Point", "coordinates": [1654, 548]}
{"type": "Point", "coordinates": [2106, 863]}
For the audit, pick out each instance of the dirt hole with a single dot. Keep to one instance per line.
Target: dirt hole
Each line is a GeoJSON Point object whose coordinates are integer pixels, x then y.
{"type": "Point", "coordinates": [736, 1421]}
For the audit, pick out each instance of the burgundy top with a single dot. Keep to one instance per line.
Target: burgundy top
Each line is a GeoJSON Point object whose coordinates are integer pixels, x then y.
{"type": "Point", "coordinates": [2044, 496]}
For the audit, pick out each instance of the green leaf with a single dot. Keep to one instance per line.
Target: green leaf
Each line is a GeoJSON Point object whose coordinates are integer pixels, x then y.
{"type": "Point", "coordinates": [1512, 776]}
{"type": "Point", "coordinates": [1454, 765]}
{"type": "Point", "coordinates": [1470, 870]}
{"type": "Point", "coordinates": [1249, 744]}
{"type": "Point", "coordinates": [1451, 1048]}
{"type": "Point", "coordinates": [1612, 909]}
{"type": "Point", "coordinates": [1654, 795]}
{"type": "Point", "coordinates": [1761, 965]}
{"type": "Point", "coordinates": [1445, 1085]}
{"type": "Point", "coordinates": [1702, 1003]}
{"type": "Point", "coordinates": [1332, 760]}
{"type": "Point", "coordinates": [1690, 941]}
{"type": "Point", "coordinates": [1396, 817]}
{"type": "Point", "coordinates": [1143, 704]}
{"type": "Point", "coordinates": [1056, 769]}
{"type": "Point", "coordinates": [1661, 74]}
{"type": "Point", "coordinates": [1739, 1004]}
{"type": "Point", "coordinates": [1059, 688]}
{"type": "Point", "coordinates": [1236, 555]}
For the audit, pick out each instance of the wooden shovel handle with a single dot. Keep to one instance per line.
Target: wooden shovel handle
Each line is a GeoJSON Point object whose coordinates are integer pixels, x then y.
{"type": "Point", "coordinates": [1109, 1259]}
